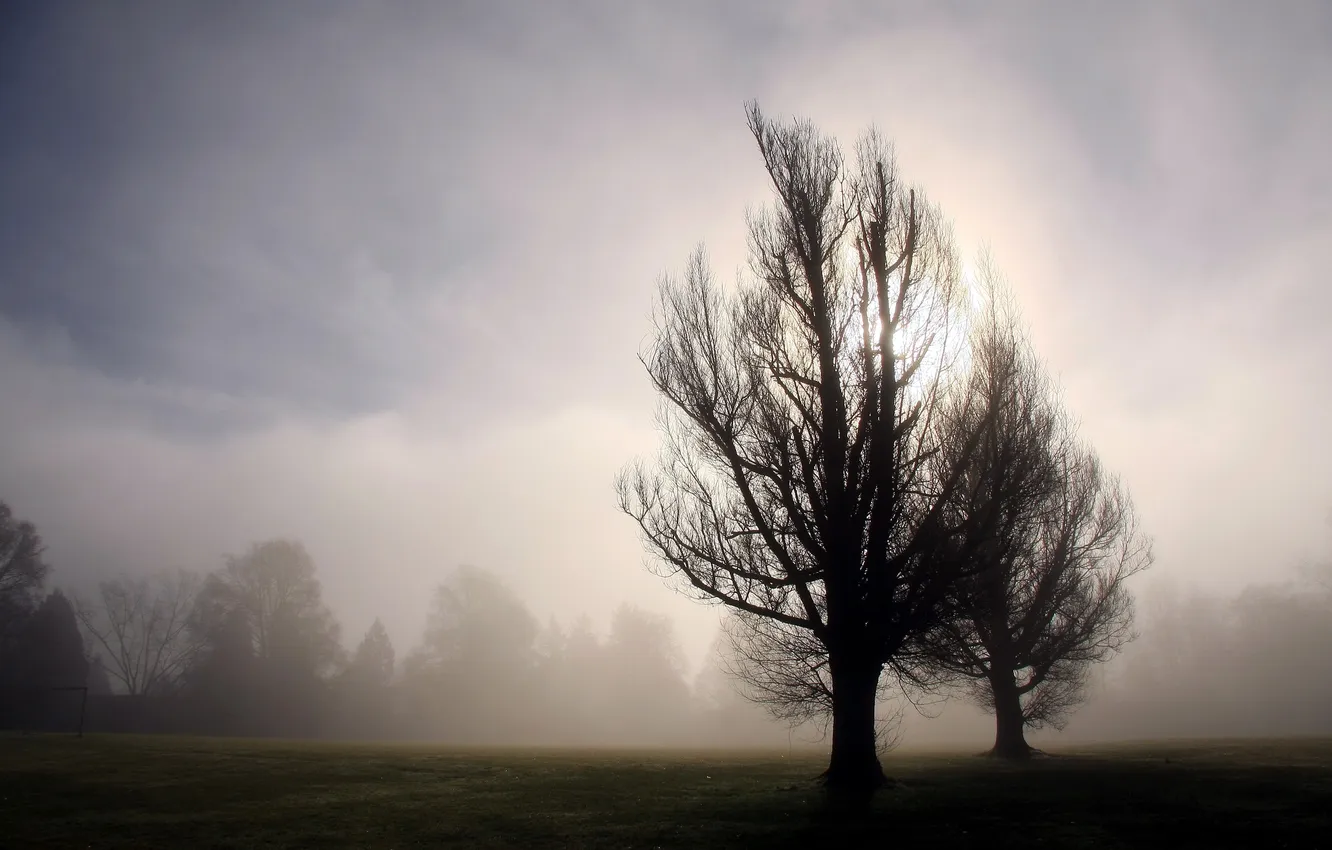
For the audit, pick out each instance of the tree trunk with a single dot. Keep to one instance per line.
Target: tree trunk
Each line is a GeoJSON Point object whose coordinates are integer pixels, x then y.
{"type": "Point", "coordinates": [854, 770]}
{"type": "Point", "coordinates": [1010, 741]}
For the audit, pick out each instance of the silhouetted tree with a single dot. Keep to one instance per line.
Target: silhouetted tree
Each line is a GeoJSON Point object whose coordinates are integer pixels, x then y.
{"type": "Point", "coordinates": [271, 597]}
{"type": "Point", "coordinates": [43, 657]}
{"type": "Point", "coordinates": [364, 690]}
{"type": "Point", "coordinates": [274, 588]}
{"type": "Point", "coordinates": [52, 653]}
{"type": "Point", "coordinates": [798, 481]}
{"type": "Point", "coordinates": [470, 677]}
{"type": "Point", "coordinates": [22, 571]}
{"type": "Point", "coordinates": [1055, 541]}
{"type": "Point", "coordinates": [141, 628]}
{"type": "Point", "coordinates": [221, 683]}
{"type": "Point", "coordinates": [372, 664]}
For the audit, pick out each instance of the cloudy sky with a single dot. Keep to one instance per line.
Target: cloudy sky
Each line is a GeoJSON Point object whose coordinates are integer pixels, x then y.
{"type": "Point", "coordinates": [374, 275]}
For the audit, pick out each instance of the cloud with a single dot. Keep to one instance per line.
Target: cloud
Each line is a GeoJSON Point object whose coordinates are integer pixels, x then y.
{"type": "Point", "coordinates": [375, 276]}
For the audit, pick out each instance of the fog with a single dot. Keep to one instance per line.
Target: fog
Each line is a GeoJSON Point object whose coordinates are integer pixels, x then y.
{"type": "Point", "coordinates": [1249, 664]}
{"type": "Point", "coordinates": [374, 278]}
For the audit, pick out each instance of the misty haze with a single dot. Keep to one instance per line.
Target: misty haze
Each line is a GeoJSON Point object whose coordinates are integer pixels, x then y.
{"type": "Point", "coordinates": [751, 424]}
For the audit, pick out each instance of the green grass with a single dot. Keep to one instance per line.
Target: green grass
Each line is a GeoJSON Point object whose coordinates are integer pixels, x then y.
{"type": "Point", "coordinates": [197, 793]}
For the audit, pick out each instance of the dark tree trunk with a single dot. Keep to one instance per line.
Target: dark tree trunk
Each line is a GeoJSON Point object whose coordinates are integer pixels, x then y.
{"type": "Point", "coordinates": [854, 770]}
{"type": "Point", "coordinates": [1010, 740]}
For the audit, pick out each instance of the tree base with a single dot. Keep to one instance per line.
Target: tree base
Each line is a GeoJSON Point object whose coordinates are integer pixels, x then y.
{"type": "Point", "coordinates": [1016, 751]}
{"type": "Point", "coordinates": [873, 778]}
{"type": "Point", "coordinates": [850, 792]}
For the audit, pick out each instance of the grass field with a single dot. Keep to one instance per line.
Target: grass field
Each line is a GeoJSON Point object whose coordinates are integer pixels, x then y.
{"type": "Point", "coordinates": [195, 793]}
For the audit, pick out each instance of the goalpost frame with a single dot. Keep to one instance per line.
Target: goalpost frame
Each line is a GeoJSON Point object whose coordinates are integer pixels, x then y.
{"type": "Point", "coordinates": [83, 702]}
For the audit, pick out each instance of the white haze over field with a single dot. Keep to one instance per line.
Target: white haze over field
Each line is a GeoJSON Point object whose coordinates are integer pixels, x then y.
{"type": "Point", "coordinates": [374, 275]}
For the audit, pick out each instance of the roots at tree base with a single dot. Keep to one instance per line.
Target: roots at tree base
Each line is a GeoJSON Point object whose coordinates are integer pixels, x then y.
{"type": "Point", "coordinates": [864, 779]}
{"type": "Point", "coordinates": [1018, 750]}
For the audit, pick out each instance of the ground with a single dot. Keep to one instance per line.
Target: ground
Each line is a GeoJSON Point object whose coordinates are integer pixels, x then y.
{"type": "Point", "coordinates": [101, 792]}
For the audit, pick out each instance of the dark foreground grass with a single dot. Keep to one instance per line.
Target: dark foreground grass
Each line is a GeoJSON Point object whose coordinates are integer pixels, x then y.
{"type": "Point", "coordinates": [104, 792]}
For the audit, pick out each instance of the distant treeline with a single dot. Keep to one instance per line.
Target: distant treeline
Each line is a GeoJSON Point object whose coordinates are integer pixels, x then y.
{"type": "Point", "coordinates": [1255, 664]}
{"type": "Point", "coordinates": [251, 650]}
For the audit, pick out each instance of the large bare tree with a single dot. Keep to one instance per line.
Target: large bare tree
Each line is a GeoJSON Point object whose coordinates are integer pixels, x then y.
{"type": "Point", "coordinates": [143, 629]}
{"type": "Point", "coordinates": [799, 480]}
{"type": "Point", "coordinates": [1057, 539]}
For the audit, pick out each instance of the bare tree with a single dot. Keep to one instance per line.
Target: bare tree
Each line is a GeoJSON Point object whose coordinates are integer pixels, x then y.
{"type": "Point", "coordinates": [22, 570]}
{"type": "Point", "coordinates": [798, 481]}
{"type": "Point", "coordinates": [1056, 541]}
{"type": "Point", "coordinates": [143, 627]}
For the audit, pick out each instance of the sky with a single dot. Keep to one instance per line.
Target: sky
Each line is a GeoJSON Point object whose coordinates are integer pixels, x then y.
{"type": "Point", "coordinates": [375, 275]}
